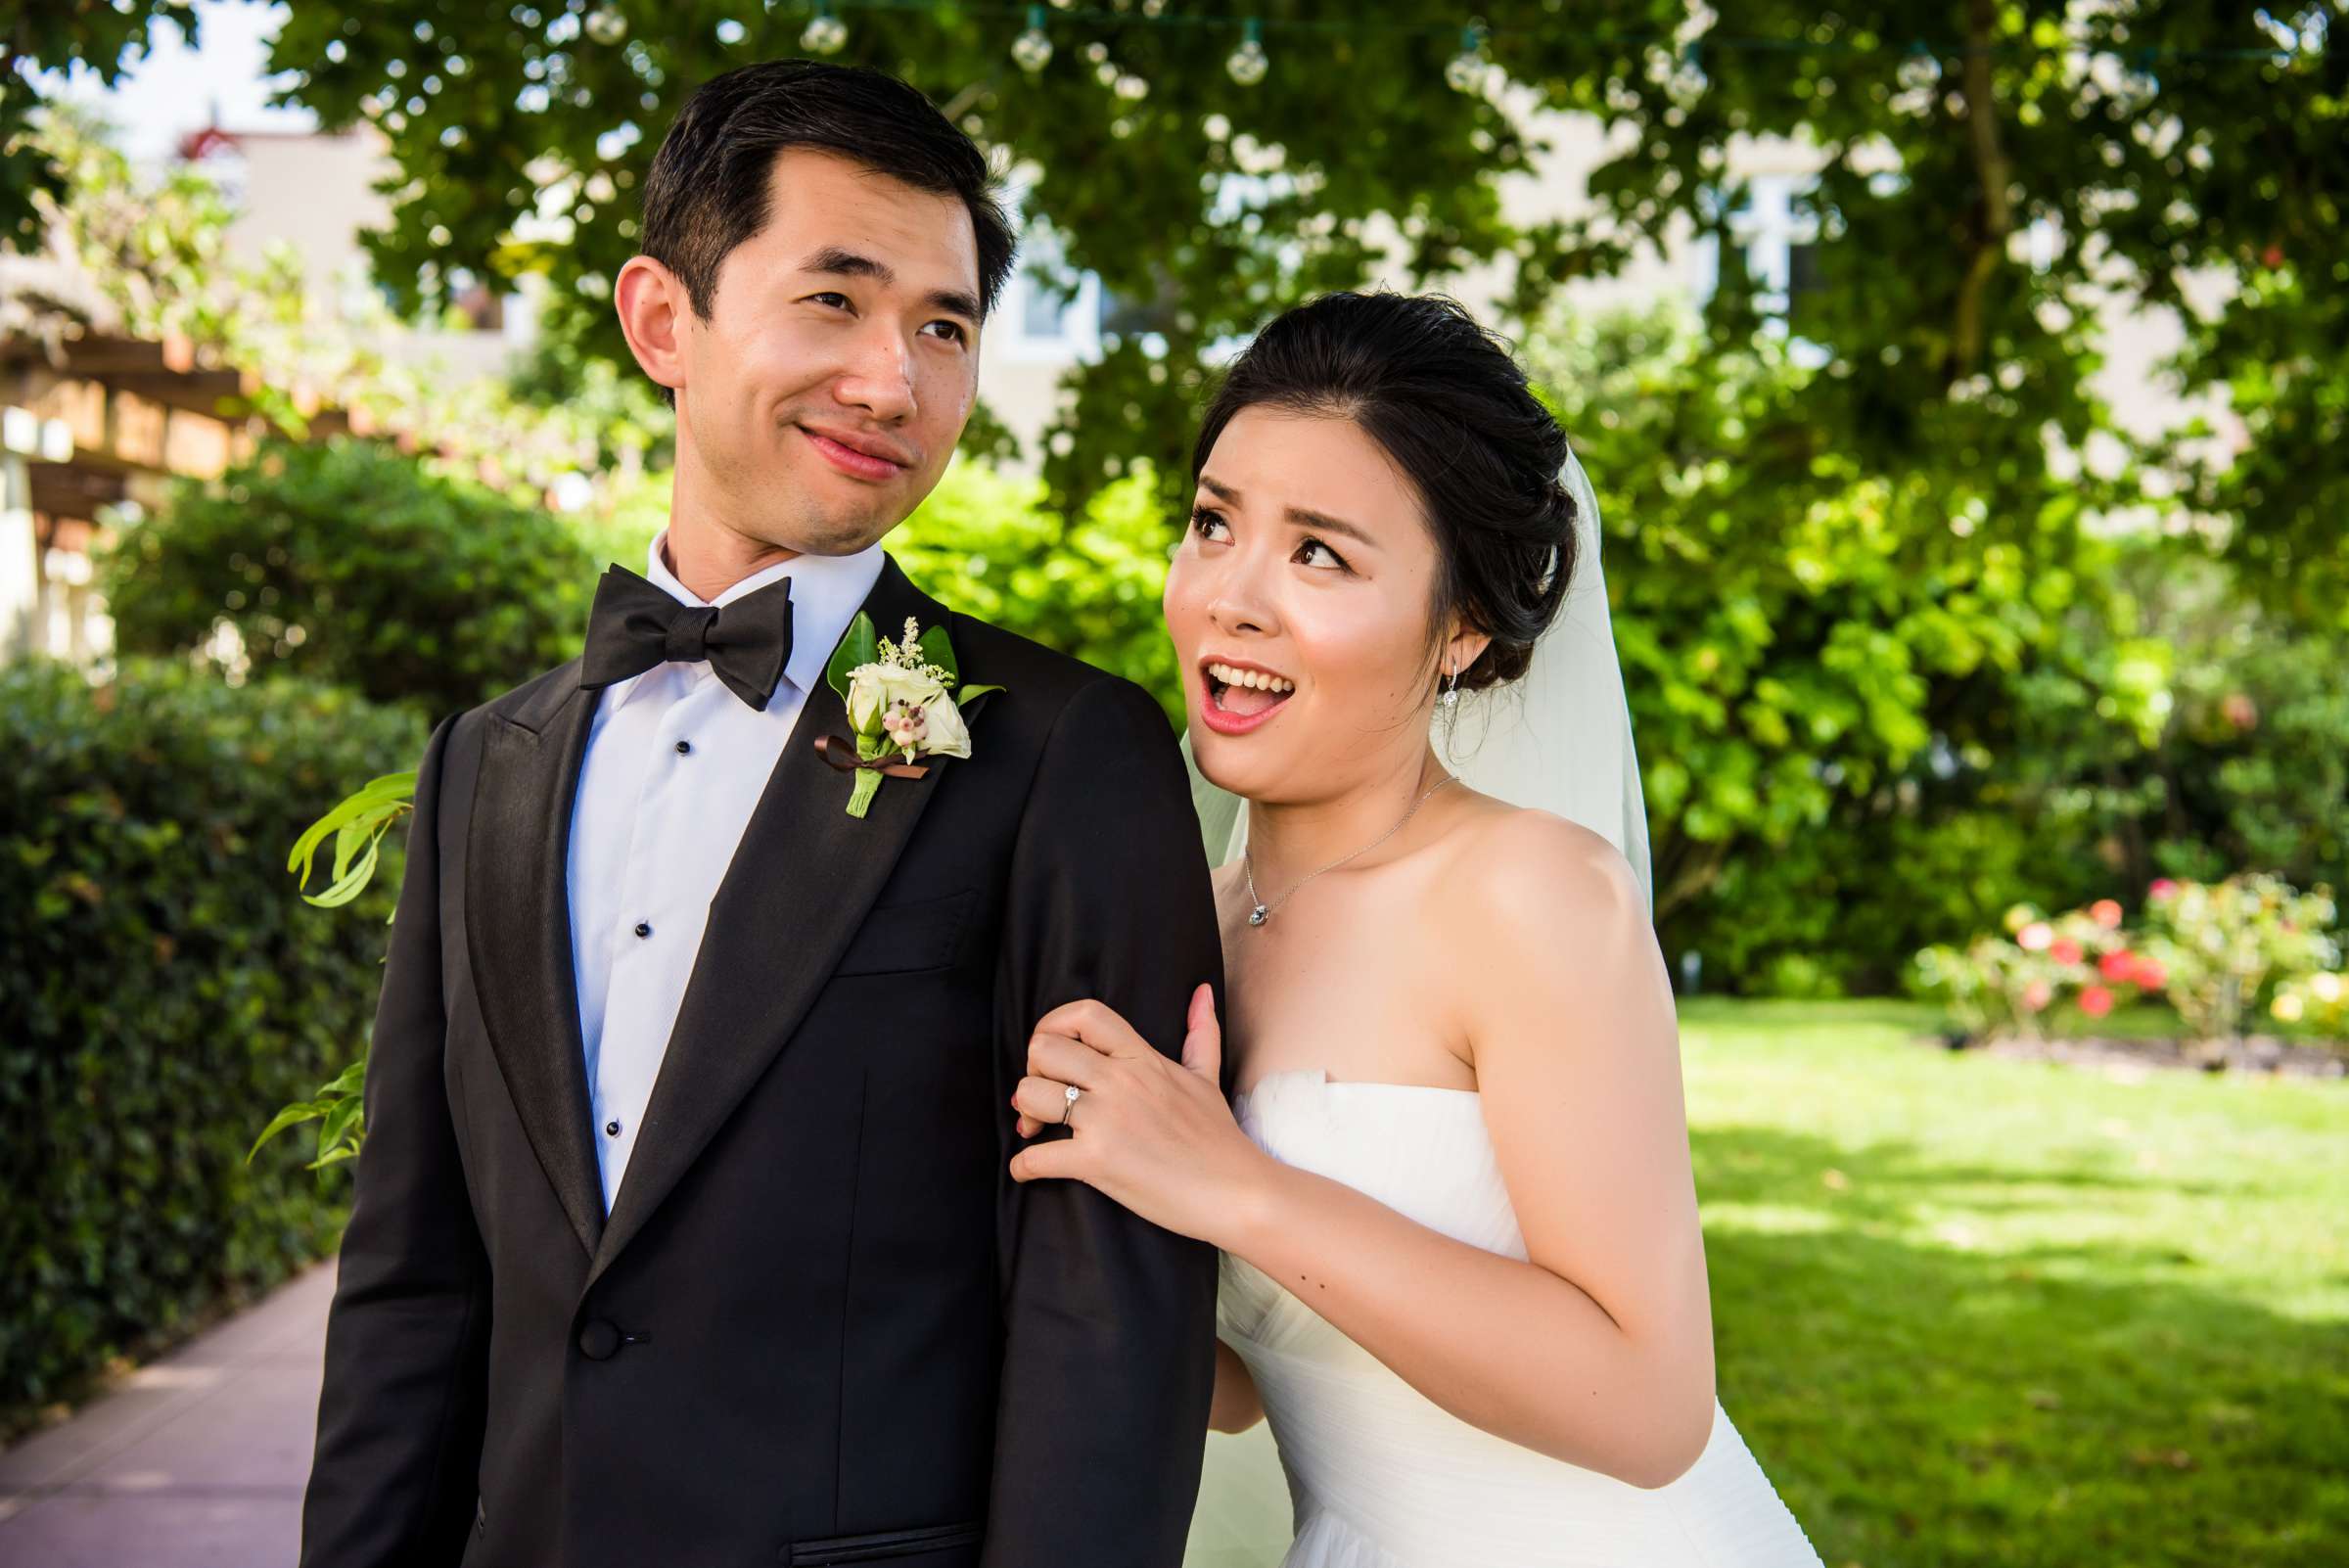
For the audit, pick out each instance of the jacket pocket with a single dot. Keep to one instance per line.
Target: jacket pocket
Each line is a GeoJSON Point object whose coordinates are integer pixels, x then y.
{"type": "Point", "coordinates": [945, 1542]}
{"type": "Point", "coordinates": [901, 937]}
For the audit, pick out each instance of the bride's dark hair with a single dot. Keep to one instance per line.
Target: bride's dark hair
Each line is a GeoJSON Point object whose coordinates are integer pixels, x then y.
{"type": "Point", "coordinates": [1444, 398]}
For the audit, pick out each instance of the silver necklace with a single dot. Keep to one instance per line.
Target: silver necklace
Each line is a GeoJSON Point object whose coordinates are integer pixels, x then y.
{"type": "Point", "coordinates": [1261, 911]}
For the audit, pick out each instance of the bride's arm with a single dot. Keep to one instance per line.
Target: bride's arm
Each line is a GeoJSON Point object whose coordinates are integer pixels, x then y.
{"type": "Point", "coordinates": [1237, 1408]}
{"type": "Point", "coordinates": [1599, 1350]}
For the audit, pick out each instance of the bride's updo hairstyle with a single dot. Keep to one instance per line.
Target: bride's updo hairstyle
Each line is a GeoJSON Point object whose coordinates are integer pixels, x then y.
{"type": "Point", "coordinates": [1449, 405]}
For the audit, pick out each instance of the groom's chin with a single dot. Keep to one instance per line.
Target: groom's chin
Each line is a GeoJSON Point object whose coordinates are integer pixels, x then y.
{"type": "Point", "coordinates": [827, 525]}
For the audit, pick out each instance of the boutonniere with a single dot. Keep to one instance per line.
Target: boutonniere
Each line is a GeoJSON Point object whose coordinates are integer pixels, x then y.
{"type": "Point", "coordinates": [898, 707]}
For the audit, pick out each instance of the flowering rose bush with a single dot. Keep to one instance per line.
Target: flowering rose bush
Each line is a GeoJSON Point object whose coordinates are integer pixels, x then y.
{"type": "Point", "coordinates": [2223, 942]}
{"type": "Point", "coordinates": [2210, 951]}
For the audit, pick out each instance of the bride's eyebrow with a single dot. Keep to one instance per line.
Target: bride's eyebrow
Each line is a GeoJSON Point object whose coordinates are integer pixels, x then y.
{"type": "Point", "coordinates": [1302, 517]}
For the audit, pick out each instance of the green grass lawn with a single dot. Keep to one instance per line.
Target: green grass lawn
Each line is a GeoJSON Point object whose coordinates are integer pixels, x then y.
{"type": "Point", "coordinates": [1979, 1311]}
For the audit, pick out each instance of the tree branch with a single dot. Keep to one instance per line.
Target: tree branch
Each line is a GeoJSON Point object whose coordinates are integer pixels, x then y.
{"type": "Point", "coordinates": [1995, 217]}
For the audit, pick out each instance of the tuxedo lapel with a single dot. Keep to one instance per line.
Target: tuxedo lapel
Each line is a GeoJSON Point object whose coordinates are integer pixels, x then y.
{"type": "Point", "coordinates": [799, 884]}
{"type": "Point", "coordinates": [518, 932]}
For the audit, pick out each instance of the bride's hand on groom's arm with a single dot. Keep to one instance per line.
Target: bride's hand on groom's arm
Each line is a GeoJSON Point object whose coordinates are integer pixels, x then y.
{"type": "Point", "coordinates": [1152, 1133]}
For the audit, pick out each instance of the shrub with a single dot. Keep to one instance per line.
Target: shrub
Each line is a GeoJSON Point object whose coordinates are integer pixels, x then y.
{"type": "Point", "coordinates": [160, 979]}
{"type": "Point", "coordinates": [2211, 951]}
{"type": "Point", "coordinates": [987, 544]}
{"type": "Point", "coordinates": [348, 561]}
{"type": "Point", "coordinates": [2223, 945]}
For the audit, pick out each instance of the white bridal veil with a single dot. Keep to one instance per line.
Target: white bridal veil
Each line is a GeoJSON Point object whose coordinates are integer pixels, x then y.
{"type": "Point", "coordinates": [1559, 740]}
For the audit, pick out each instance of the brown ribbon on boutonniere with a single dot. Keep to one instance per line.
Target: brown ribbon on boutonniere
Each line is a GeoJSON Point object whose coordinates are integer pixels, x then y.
{"type": "Point", "coordinates": [841, 753]}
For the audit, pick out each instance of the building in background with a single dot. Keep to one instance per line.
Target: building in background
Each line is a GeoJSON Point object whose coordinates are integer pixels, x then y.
{"type": "Point", "coordinates": [315, 192]}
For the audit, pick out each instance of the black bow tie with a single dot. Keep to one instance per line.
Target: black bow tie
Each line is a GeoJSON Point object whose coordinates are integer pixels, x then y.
{"type": "Point", "coordinates": [635, 625]}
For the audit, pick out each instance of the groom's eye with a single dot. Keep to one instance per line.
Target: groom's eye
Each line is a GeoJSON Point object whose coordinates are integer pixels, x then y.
{"type": "Point", "coordinates": [835, 300]}
{"type": "Point", "coordinates": [949, 331]}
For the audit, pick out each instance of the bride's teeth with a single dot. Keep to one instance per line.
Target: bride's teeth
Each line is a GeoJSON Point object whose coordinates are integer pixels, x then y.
{"type": "Point", "coordinates": [1252, 679]}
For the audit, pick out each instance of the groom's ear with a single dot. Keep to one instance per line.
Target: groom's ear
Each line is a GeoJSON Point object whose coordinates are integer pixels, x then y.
{"type": "Point", "coordinates": [653, 307]}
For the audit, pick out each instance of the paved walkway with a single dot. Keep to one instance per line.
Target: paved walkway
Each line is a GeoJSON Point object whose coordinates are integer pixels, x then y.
{"type": "Point", "coordinates": [196, 1461]}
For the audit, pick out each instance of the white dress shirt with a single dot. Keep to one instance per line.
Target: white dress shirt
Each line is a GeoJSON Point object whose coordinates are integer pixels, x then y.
{"type": "Point", "coordinates": [675, 764]}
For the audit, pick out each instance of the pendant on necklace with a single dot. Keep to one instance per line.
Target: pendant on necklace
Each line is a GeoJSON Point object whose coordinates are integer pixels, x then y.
{"type": "Point", "coordinates": [1259, 915]}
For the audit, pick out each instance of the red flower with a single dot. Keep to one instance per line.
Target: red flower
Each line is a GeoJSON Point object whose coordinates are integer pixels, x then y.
{"type": "Point", "coordinates": [2120, 964]}
{"type": "Point", "coordinates": [2105, 913]}
{"type": "Point", "coordinates": [2095, 1000]}
{"type": "Point", "coordinates": [2162, 887]}
{"type": "Point", "coordinates": [2037, 994]}
{"type": "Point", "coordinates": [2150, 974]}
{"type": "Point", "coordinates": [2064, 950]}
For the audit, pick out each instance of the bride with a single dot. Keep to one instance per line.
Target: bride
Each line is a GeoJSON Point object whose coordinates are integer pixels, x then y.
{"type": "Point", "coordinates": [1462, 1275]}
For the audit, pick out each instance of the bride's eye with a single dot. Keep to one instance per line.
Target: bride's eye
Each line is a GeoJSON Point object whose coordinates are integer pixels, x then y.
{"type": "Point", "coordinates": [1205, 522]}
{"type": "Point", "coordinates": [1308, 550]}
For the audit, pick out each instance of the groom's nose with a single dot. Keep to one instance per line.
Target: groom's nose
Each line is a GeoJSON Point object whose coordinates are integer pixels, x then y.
{"type": "Point", "coordinates": [880, 378]}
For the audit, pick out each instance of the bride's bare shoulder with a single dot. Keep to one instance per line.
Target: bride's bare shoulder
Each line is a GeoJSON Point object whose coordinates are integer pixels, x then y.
{"type": "Point", "coordinates": [1513, 864]}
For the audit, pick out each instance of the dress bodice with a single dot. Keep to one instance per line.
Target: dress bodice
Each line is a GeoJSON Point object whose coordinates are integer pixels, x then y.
{"type": "Point", "coordinates": [1382, 1477]}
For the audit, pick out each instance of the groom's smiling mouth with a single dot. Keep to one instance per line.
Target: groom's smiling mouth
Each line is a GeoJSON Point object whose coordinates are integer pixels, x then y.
{"type": "Point", "coordinates": [859, 456]}
{"type": "Point", "coordinates": [1241, 696]}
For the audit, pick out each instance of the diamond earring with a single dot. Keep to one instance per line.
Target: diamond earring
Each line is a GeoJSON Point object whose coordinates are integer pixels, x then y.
{"type": "Point", "coordinates": [1450, 699]}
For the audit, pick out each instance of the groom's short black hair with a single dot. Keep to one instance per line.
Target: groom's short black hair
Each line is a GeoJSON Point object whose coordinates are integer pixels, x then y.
{"type": "Point", "coordinates": [707, 192]}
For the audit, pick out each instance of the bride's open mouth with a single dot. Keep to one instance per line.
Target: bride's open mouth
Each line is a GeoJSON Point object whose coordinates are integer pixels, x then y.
{"type": "Point", "coordinates": [1241, 696]}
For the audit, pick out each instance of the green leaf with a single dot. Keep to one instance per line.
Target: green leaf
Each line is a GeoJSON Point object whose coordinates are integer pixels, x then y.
{"type": "Point", "coordinates": [336, 1125]}
{"type": "Point", "coordinates": [351, 885]}
{"type": "Point", "coordinates": [860, 646]}
{"type": "Point", "coordinates": [970, 693]}
{"type": "Point", "coordinates": [293, 1115]}
{"type": "Point", "coordinates": [373, 807]}
{"type": "Point", "coordinates": [937, 650]}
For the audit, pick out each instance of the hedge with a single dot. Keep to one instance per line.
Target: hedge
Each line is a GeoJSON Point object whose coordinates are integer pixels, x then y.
{"type": "Point", "coordinates": [346, 562]}
{"type": "Point", "coordinates": [162, 987]}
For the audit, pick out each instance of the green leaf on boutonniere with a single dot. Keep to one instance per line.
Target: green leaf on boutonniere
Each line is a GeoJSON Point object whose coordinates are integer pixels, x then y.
{"type": "Point", "coordinates": [937, 650]}
{"type": "Point", "coordinates": [860, 646]}
{"type": "Point", "coordinates": [968, 693]}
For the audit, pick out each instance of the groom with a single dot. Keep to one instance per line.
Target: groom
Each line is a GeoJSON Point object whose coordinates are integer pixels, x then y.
{"type": "Point", "coordinates": [683, 1233]}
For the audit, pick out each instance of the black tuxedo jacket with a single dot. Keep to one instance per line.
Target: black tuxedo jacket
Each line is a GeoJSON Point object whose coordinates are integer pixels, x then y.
{"type": "Point", "coordinates": [821, 1324]}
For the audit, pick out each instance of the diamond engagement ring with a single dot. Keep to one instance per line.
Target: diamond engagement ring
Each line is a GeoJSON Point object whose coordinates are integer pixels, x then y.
{"type": "Point", "coordinates": [1068, 1103]}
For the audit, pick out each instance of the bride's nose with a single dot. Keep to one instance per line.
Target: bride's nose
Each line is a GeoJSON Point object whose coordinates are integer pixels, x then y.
{"type": "Point", "coordinates": [1236, 606]}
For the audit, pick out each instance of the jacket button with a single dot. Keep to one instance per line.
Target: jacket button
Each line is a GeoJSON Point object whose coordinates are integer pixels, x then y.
{"type": "Point", "coordinates": [599, 1339]}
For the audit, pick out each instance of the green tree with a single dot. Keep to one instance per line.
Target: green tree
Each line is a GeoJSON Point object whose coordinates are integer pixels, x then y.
{"type": "Point", "coordinates": [57, 34]}
{"type": "Point", "coordinates": [2154, 140]}
{"type": "Point", "coordinates": [1809, 647]}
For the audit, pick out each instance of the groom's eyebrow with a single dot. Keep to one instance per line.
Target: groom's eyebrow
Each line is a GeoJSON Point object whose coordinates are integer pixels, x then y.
{"type": "Point", "coordinates": [846, 263]}
{"type": "Point", "coordinates": [1303, 515]}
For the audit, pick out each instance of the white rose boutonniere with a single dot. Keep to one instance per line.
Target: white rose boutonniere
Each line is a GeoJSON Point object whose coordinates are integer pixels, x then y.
{"type": "Point", "coordinates": [899, 707]}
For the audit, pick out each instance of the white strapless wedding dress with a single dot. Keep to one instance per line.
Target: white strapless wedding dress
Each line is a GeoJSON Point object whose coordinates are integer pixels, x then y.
{"type": "Point", "coordinates": [1381, 1477]}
